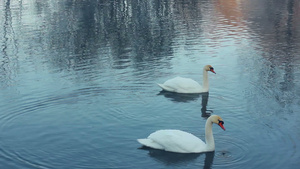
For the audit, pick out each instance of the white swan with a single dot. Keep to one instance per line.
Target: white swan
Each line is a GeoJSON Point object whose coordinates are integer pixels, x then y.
{"type": "Point", "coordinates": [187, 85]}
{"type": "Point", "coordinates": [182, 142]}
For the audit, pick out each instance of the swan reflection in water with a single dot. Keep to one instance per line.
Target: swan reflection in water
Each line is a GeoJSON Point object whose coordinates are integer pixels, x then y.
{"type": "Point", "coordinates": [179, 97]}
{"type": "Point", "coordinates": [205, 113]}
{"type": "Point", "coordinates": [170, 158]}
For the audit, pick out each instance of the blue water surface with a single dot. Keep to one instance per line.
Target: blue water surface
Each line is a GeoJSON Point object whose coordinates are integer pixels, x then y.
{"type": "Point", "coordinates": [78, 82]}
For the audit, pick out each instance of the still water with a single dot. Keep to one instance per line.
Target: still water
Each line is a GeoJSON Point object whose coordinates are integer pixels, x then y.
{"type": "Point", "coordinates": [78, 82]}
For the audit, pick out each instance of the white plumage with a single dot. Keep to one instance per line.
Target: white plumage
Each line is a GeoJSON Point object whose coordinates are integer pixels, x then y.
{"type": "Point", "coordinates": [187, 85]}
{"type": "Point", "coordinates": [183, 142]}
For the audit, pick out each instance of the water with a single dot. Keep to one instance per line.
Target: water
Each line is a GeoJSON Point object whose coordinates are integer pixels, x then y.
{"type": "Point", "coordinates": [78, 82]}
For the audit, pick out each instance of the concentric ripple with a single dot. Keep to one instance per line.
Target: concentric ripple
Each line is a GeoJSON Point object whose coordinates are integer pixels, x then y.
{"type": "Point", "coordinates": [231, 152]}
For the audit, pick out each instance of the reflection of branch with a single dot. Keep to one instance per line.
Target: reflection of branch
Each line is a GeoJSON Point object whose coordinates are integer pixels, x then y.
{"type": "Point", "coordinates": [8, 43]}
{"type": "Point", "coordinates": [290, 6]}
{"type": "Point", "coordinates": [8, 24]}
{"type": "Point", "coordinates": [6, 16]}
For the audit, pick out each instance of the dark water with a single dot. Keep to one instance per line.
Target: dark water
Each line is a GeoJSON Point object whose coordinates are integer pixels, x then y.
{"type": "Point", "coordinates": [78, 82]}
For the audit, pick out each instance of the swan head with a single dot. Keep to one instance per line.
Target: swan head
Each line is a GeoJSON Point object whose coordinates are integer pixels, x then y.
{"type": "Point", "coordinates": [218, 120]}
{"type": "Point", "coordinates": [209, 68]}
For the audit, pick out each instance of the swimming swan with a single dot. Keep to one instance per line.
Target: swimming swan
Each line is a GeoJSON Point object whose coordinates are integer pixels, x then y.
{"type": "Point", "coordinates": [187, 85]}
{"type": "Point", "coordinates": [182, 142]}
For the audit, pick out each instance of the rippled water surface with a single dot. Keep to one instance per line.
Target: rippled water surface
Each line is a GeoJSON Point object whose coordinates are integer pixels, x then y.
{"type": "Point", "coordinates": [78, 82]}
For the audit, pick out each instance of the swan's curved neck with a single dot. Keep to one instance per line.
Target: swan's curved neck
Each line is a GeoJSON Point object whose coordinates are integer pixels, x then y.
{"type": "Point", "coordinates": [209, 138]}
{"type": "Point", "coordinates": [205, 80]}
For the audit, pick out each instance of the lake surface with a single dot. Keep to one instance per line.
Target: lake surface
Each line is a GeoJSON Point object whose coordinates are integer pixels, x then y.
{"type": "Point", "coordinates": [78, 82]}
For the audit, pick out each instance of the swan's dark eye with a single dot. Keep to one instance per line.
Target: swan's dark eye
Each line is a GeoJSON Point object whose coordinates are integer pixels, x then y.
{"type": "Point", "coordinates": [221, 122]}
{"type": "Point", "coordinates": [211, 68]}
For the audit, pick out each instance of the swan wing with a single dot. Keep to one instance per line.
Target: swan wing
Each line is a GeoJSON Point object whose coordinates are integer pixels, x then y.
{"type": "Point", "coordinates": [150, 143]}
{"type": "Point", "coordinates": [175, 141]}
{"type": "Point", "coordinates": [181, 85]}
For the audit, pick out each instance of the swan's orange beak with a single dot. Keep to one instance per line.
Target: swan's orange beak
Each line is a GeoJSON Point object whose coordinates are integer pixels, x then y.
{"type": "Point", "coordinates": [212, 70]}
{"type": "Point", "coordinates": [221, 125]}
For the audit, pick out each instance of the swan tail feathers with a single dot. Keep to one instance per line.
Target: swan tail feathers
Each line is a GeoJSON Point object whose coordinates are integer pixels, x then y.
{"type": "Point", "coordinates": [160, 85]}
{"type": "Point", "coordinates": [166, 88]}
{"type": "Point", "coordinates": [150, 143]}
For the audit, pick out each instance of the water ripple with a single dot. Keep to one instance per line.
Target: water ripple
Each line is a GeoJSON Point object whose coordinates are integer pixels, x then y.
{"type": "Point", "coordinates": [231, 152]}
